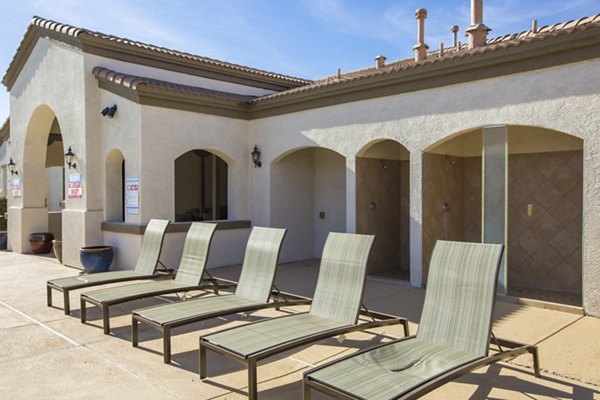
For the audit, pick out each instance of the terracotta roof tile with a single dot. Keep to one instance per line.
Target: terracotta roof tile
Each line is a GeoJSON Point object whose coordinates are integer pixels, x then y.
{"type": "Point", "coordinates": [494, 44]}
{"type": "Point", "coordinates": [136, 83]}
{"type": "Point", "coordinates": [75, 32]}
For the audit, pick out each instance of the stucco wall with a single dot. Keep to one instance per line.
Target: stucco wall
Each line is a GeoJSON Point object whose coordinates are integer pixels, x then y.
{"type": "Point", "coordinates": [416, 120]}
{"type": "Point", "coordinates": [420, 119]}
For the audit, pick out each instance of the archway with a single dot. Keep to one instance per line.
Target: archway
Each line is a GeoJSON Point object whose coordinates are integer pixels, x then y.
{"type": "Point", "coordinates": [41, 177]}
{"type": "Point", "coordinates": [382, 206]}
{"type": "Point", "coordinates": [544, 206]}
{"type": "Point", "coordinates": [201, 192]}
{"type": "Point", "coordinates": [308, 197]}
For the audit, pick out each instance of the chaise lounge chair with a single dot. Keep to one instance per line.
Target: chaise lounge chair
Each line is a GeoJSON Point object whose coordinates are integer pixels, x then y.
{"type": "Point", "coordinates": [453, 336]}
{"type": "Point", "coordinates": [334, 311]}
{"type": "Point", "coordinates": [252, 293]}
{"type": "Point", "coordinates": [145, 268]}
{"type": "Point", "coordinates": [189, 277]}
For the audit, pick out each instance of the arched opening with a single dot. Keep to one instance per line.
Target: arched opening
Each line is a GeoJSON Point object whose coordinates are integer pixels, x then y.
{"type": "Point", "coordinates": [544, 206]}
{"type": "Point", "coordinates": [40, 180]}
{"type": "Point", "coordinates": [452, 192]}
{"type": "Point", "coordinates": [545, 209]}
{"type": "Point", "coordinates": [200, 186]}
{"type": "Point", "coordinates": [55, 178]}
{"type": "Point", "coordinates": [382, 206]}
{"type": "Point", "coordinates": [308, 197]}
{"type": "Point", "coordinates": [115, 186]}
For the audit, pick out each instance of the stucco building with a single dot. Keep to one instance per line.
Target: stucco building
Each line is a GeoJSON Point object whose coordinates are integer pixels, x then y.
{"type": "Point", "coordinates": [494, 140]}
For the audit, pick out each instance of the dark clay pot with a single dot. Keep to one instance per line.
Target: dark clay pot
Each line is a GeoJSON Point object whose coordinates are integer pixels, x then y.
{"type": "Point", "coordinates": [96, 258]}
{"type": "Point", "coordinates": [41, 242]}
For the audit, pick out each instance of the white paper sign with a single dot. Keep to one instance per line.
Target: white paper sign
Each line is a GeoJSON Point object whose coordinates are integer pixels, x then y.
{"type": "Point", "coordinates": [132, 195]}
{"type": "Point", "coordinates": [75, 190]}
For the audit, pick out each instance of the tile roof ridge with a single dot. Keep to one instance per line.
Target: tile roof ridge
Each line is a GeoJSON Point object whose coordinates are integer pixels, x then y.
{"type": "Point", "coordinates": [135, 82]}
{"type": "Point", "coordinates": [76, 32]}
{"type": "Point", "coordinates": [408, 63]}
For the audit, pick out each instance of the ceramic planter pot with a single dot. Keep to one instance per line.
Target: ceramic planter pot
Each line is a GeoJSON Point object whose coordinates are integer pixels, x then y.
{"type": "Point", "coordinates": [57, 248]}
{"type": "Point", "coordinates": [41, 242]}
{"type": "Point", "coordinates": [96, 258]}
{"type": "Point", "coordinates": [3, 240]}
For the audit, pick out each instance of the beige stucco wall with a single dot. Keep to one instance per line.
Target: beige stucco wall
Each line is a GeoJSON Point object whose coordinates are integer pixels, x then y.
{"type": "Point", "coordinates": [36, 98]}
{"type": "Point", "coordinates": [420, 119]}
{"type": "Point", "coordinates": [559, 98]}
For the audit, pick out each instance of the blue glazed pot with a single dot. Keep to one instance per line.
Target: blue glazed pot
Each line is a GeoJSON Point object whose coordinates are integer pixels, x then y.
{"type": "Point", "coordinates": [96, 258]}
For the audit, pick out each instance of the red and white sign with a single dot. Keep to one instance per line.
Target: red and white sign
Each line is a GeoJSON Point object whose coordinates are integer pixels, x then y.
{"type": "Point", "coordinates": [16, 188]}
{"type": "Point", "coordinates": [132, 195]}
{"type": "Point", "coordinates": [75, 190]}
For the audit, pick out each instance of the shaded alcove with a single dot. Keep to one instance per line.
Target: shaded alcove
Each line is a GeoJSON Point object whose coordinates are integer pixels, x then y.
{"type": "Point", "coordinates": [201, 192]}
{"type": "Point", "coordinates": [55, 178]}
{"type": "Point", "coordinates": [544, 207]}
{"type": "Point", "coordinates": [382, 206]}
{"type": "Point", "coordinates": [308, 197]}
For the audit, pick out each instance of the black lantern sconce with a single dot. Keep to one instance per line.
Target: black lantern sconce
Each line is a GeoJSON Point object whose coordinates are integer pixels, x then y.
{"type": "Point", "coordinates": [256, 157]}
{"type": "Point", "coordinates": [109, 111]}
{"type": "Point", "coordinates": [70, 158]}
{"type": "Point", "coordinates": [12, 167]}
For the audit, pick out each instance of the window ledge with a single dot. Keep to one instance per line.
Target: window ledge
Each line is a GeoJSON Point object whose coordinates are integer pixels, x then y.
{"type": "Point", "coordinates": [174, 227]}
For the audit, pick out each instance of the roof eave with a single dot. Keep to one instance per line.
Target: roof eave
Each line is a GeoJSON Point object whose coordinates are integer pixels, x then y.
{"type": "Point", "coordinates": [149, 95]}
{"type": "Point", "coordinates": [475, 65]}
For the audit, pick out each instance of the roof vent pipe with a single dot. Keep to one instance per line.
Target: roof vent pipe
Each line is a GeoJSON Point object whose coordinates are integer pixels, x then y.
{"type": "Point", "coordinates": [420, 48]}
{"type": "Point", "coordinates": [380, 62]}
{"type": "Point", "coordinates": [534, 28]}
{"type": "Point", "coordinates": [477, 32]}
{"type": "Point", "coordinates": [454, 30]}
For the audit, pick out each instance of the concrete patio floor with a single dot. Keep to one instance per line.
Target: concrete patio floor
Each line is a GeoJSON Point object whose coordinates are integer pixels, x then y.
{"type": "Point", "coordinates": [46, 354]}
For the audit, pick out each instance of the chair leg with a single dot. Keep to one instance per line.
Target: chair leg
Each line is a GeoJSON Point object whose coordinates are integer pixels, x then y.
{"type": "Point", "coordinates": [166, 345]}
{"type": "Point", "coordinates": [49, 296]}
{"type": "Point", "coordinates": [83, 311]}
{"type": "Point", "coordinates": [252, 385]}
{"type": "Point", "coordinates": [134, 331]}
{"type": "Point", "coordinates": [66, 302]}
{"type": "Point", "coordinates": [306, 390]}
{"type": "Point", "coordinates": [202, 361]}
{"type": "Point", "coordinates": [105, 319]}
{"type": "Point", "coordinates": [536, 361]}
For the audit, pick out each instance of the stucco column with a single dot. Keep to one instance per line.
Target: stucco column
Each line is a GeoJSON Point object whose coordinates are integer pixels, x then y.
{"type": "Point", "coordinates": [495, 194]}
{"type": "Point", "coordinates": [351, 194]}
{"type": "Point", "coordinates": [21, 222]}
{"type": "Point", "coordinates": [416, 218]}
{"type": "Point", "coordinates": [591, 233]}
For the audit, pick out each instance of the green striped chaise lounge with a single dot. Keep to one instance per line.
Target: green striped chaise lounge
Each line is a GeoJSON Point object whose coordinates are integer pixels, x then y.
{"type": "Point", "coordinates": [189, 276]}
{"type": "Point", "coordinates": [334, 311]}
{"type": "Point", "coordinates": [453, 336]}
{"type": "Point", "coordinates": [253, 292]}
{"type": "Point", "coordinates": [145, 268]}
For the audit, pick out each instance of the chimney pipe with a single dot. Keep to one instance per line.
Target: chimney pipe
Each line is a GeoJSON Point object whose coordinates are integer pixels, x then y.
{"type": "Point", "coordinates": [454, 30]}
{"type": "Point", "coordinates": [380, 62]}
{"type": "Point", "coordinates": [534, 27]}
{"type": "Point", "coordinates": [420, 48]}
{"type": "Point", "coordinates": [477, 32]}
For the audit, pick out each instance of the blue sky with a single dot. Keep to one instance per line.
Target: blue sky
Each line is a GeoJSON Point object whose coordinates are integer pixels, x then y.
{"type": "Point", "coordinates": [303, 38]}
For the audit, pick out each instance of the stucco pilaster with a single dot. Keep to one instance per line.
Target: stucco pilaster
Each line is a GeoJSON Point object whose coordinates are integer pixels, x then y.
{"type": "Point", "coordinates": [416, 218]}
{"type": "Point", "coordinates": [350, 194]}
{"type": "Point", "coordinates": [21, 222]}
{"type": "Point", "coordinates": [591, 233]}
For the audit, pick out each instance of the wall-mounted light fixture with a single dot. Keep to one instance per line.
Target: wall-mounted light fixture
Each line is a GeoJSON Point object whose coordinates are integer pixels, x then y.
{"type": "Point", "coordinates": [70, 158]}
{"type": "Point", "coordinates": [12, 167]}
{"type": "Point", "coordinates": [109, 111]}
{"type": "Point", "coordinates": [256, 157]}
